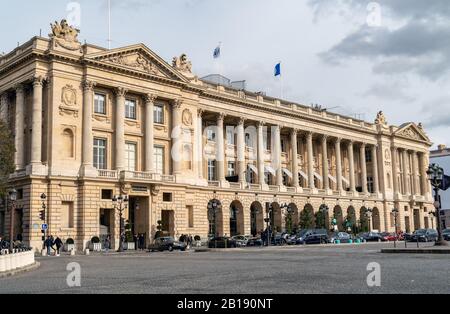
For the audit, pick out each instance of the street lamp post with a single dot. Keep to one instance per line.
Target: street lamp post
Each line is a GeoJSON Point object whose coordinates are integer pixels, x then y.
{"type": "Point", "coordinates": [369, 212]}
{"type": "Point", "coordinates": [268, 220]}
{"type": "Point", "coordinates": [436, 175]}
{"type": "Point", "coordinates": [120, 204]}
{"type": "Point", "coordinates": [12, 199]}
{"type": "Point", "coordinates": [289, 210]}
{"type": "Point", "coordinates": [44, 207]}
{"type": "Point", "coordinates": [431, 215]}
{"type": "Point", "coordinates": [395, 212]}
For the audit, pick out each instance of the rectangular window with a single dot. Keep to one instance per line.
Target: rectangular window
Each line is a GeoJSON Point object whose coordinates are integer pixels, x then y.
{"type": "Point", "coordinates": [210, 134]}
{"type": "Point", "coordinates": [231, 168]}
{"type": "Point", "coordinates": [158, 159]}
{"type": "Point", "coordinates": [66, 215]}
{"type": "Point", "coordinates": [100, 153]}
{"type": "Point", "coordinates": [130, 156]}
{"type": "Point", "coordinates": [283, 145]}
{"type": "Point", "coordinates": [230, 136]}
{"type": "Point", "coordinates": [107, 194]}
{"type": "Point", "coordinates": [167, 197]}
{"type": "Point", "coordinates": [368, 156]}
{"type": "Point", "coordinates": [211, 170]}
{"type": "Point", "coordinates": [130, 109]}
{"type": "Point", "coordinates": [99, 104]}
{"type": "Point", "coordinates": [370, 184]}
{"type": "Point", "coordinates": [158, 115]}
{"type": "Point", "coordinates": [190, 210]}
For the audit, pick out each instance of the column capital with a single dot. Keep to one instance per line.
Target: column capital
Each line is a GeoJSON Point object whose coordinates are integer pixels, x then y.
{"type": "Point", "coordinates": [150, 98]}
{"type": "Point", "coordinates": [338, 140]}
{"type": "Point", "coordinates": [294, 132]}
{"type": "Point", "coordinates": [4, 97]}
{"type": "Point", "coordinates": [241, 121]}
{"type": "Point", "coordinates": [120, 91]}
{"type": "Point", "coordinates": [324, 137]}
{"type": "Point", "coordinates": [200, 112]}
{"type": "Point", "coordinates": [261, 123]}
{"type": "Point", "coordinates": [363, 145]}
{"type": "Point", "coordinates": [88, 86]}
{"type": "Point", "coordinates": [309, 134]}
{"type": "Point", "coordinates": [221, 116]}
{"type": "Point", "coordinates": [38, 80]}
{"type": "Point", "coordinates": [176, 103]}
{"type": "Point", "coordinates": [20, 88]}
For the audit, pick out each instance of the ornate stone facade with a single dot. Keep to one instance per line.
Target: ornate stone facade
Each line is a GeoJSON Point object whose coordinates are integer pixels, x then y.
{"type": "Point", "coordinates": [91, 123]}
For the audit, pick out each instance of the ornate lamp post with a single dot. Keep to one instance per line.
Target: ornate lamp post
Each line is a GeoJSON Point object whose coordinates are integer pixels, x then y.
{"type": "Point", "coordinates": [395, 212]}
{"type": "Point", "coordinates": [42, 216]}
{"type": "Point", "coordinates": [431, 214]}
{"type": "Point", "coordinates": [436, 175]}
{"type": "Point", "coordinates": [12, 199]}
{"type": "Point", "coordinates": [268, 220]}
{"type": "Point", "coordinates": [289, 211]}
{"type": "Point", "coordinates": [120, 204]}
{"type": "Point", "coordinates": [368, 213]}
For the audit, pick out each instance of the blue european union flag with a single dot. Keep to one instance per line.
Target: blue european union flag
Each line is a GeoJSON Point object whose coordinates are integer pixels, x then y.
{"type": "Point", "coordinates": [217, 52]}
{"type": "Point", "coordinates": [278, 69]}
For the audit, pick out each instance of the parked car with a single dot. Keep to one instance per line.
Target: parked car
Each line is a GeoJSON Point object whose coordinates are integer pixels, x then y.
{"type": "Point", "coordinates": [316, 239]}
{"type": "Point", "coordinates": [222, 242]}
{"type": "Point", "coordinates": [372, 237]}
{"type": "Point", "coordinates": [254, 241]}
{"type": "Point", "coordinates": [388, 236]}
{"type": "Point", "coordinates": [342, 237]}
{"type": "Point", "coordinates": [302, 234]}
{"type": "Point", "coordinates": [446, 234]}
{"type": "Point", "coordinates": [167, 244]}
{"type": "Point", "coordinates": [282, 238]}
{"type": "Point", "coordinates": [424, 235]}
{"type": "Point", "coordinates": [241, 240]}
{"type": "Point", "coordinates": [407, 237]}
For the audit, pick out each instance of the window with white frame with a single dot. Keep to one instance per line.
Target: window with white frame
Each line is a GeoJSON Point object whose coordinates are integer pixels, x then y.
{"type": "Point", "coordinates": [370, 186]}
{"type": "Point", "coordinates": [158, 159]}
{"type": "Point", "coordinates": [368, 156]}
{"type": "Point", "coordinates": [99, 104]}
{"type": "Point", "coordinates": [230, 136]}
{"type": "Point", "coordinates": [211, 170]}
{"type": "Point", "coordinates": [99, 151]}
{"type": "Point", "coordinates": [210, 134]}
{"type": "Point", "coordinates": [158, 115]}
{"type": "Point", "coordinates": [130, 156]}
{"type": "Point", "coordinates": [248, 140]}
{"type": "Point", "coordinates": [231, 168]}
{"type": "Point", "coordinates": [130, 109]}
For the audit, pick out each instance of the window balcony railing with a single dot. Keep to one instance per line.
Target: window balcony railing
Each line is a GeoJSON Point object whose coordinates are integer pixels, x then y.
{"type": "Point", "coordinates": [214, 183]}
{"type": "Point", "coordinates": [110, 174]}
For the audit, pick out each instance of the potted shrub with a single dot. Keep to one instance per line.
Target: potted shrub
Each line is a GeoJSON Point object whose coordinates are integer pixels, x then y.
{"type": "Point", "coordinates": [129, 240]}
{"type": "Point", "coordinates": [95, 244]}
{"type": "Point", "coordinates": [69, 245]}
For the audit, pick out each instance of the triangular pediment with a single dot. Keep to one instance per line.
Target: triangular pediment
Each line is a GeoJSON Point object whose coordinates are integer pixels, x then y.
{"type": "Point", "coordinates": [137, 58]}
{"type": "Point", "coordinates": [412, 131]}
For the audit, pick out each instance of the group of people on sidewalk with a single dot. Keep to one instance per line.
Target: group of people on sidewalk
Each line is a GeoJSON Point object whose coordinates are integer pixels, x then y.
{"type": "Point", "coordinates": [50, 244]}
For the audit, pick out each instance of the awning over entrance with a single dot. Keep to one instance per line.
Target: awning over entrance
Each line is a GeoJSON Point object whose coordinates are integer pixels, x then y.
{"type": "Point", "coordinates": [318, 176]}
{"type": "Point", "coordinates": [287, 172]}
{"type": "Point", "coordinates": [345, 180]}
{"type": "Point", "coordinates": [304, 176]}
{"type": "Point", "coordinates": [332, 178]}
{"type": "Point", "coordinates": [253, 168]}
{"type": "Point", "coordinates": [270, 170]}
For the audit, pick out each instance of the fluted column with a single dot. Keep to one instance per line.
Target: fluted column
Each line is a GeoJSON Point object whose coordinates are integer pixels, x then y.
{"type": "Point", "coordinates": [309, 147]}
{"type": "Point", "coordinates": [415, 177]}
{"type": "Point", "coordinates": [120, 128]}
{"type": "Point", "coordinates": [405, 167]}
{"type": "Point", "coordinates": [177, 137]}
{"type": "Point", "coordinates": [376, 184]}
{"type": "Point", "coordinates": [362, 157]}
{"type": "Point", "coordinates": [87, 138]}
{"type": "Point", "coordinates": [425, 184]}
{"type": "Point", "coordinates": [351, 166]}
{"type": "Point", "coordinates": [261, 153]}
{"type": "Point", "coordinates": [19, 130]}
{"type": "Point", "coordinates": [220, 149]}
{"type": "Point", "coordinates": [277, 155]}
{"type": "Point", "coordinates": [36, 133]}
{"type": "Point", "coordinates": [4, 107]}
{"type": "Point", "coordinates": [295, 171]}
{"type": "Point", "coordinates": [149, 132]}
{"type": "Point", "coordinates": [200, 142]}
{"type": "Point", "coordinates": [394, 153]}
{"type": "Point", "coordinates": [326, 181]}
{"type": "Point", "coordinates": [338, 164]}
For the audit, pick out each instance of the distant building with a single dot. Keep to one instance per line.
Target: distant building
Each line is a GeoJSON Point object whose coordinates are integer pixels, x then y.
{"type": "Point", "coordinates": [441, 156]}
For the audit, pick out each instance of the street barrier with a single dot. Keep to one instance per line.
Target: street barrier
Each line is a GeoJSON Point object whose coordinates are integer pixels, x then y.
{"type": "Point", "coordinates": [16, 260]}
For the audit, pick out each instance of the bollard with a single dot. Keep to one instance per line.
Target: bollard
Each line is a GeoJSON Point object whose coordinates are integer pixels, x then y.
{"type": "Point", "coordinates": [86, 252]}
{"type": "Point", "coordinates": [43, 252]}
{"type": "Point", "coordinates": [72, 252]}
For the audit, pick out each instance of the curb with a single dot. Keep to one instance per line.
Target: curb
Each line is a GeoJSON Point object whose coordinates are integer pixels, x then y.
{"type": "Point", "coordinates": [416, 251]}
{"type": "Point", "coordinates": [14, 272]}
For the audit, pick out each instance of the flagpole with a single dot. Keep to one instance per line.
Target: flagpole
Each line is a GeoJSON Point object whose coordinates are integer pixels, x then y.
{"type": "Point", "coordinates": [281, 82]}
{"type": "Point", "coordinates": [109, 24]}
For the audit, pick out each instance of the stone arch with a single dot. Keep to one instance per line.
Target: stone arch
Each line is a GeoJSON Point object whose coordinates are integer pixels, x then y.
{"type": "Point", "coordinates": [376, 221]}
{"type": "Point", "coordinates": [307, 220]}
{"type": "Point", "coordinates": [363, 223]}
{"type": "Point", "coordinates": [295, 216]}
{"type": "Point", "coordinates": [215, 218]}
{"type": "Point", "coordinates": [256, 218]}
{"type": "Point", "coordinates": [236, 218]}
{"type": "Point", "coordinates": [322, 218]}
{"type": "Point", "coordinates": [68, 143]}
{"type": "Point", "coordinates": [351, 218]}
{"type": "Point", "coordinates": [276, 217]}
{"type": "Point", "coordinates": [338, 215]}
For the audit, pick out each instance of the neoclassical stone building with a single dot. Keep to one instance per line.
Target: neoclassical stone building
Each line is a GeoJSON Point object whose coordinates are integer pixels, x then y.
{"type": "Point", "coordinates": [90, 123]}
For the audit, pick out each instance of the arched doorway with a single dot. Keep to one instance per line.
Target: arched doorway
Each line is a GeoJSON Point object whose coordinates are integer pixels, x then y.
{"type": "Point", "coordinates": [276, 217]}
{"type": "Point", "coordinates": [351, 225]}
{"type": "Point", "coordinates": [307, 219]}
{"type": "Point", "coordinates": [322, 217]}
{"type": "Point", "coordinates": [416, 219]}
{"type": "Point", "coordinates": [292, 221]}
{"type": "Point", "coordinates": [339, 217]}
{"type": "Point", "coordinates": [236, 219]}
{"type": "Point", "coordinates": [215, 219]}
{"type": "Point", "coordinates": [376, 222]}
{"type": "Point", "coordinates": [363, 220]}
{"type": "Point", "coordinates": [256, 218]}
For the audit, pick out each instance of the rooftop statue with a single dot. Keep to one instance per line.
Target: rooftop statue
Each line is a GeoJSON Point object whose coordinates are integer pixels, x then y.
{"type": "Point", "coordinates": [381, 118]}
{"type": "Point", "coordinates": [64, 31]}
{"type": "Point", "coordinates": [182, 63]}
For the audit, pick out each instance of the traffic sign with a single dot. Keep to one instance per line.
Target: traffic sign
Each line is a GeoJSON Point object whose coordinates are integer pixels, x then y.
{"type": "Point", "coordinates": [44, 226]}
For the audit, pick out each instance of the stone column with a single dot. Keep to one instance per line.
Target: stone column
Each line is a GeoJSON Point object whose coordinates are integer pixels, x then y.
{"type": "Point", "coordinates": [351, 166]}
{"type": "Point", "coordinates": [120, 128]}
{"type": "Point", "coordinates": [376, 184]}
{"type": "Point", "coordinates": [19, 130]}
{"type": "Point", "coordinates": [405, 167]}
{"type": "Point", "coordinates": [4, 108]}
{"type": "Point", "coordinates": [200, 142]}
{"type": "Point", "coordinates": [326, 181]}
{"type": "Point", "coordinates": [149, 132]}
{"type": "Point", "coordinates": [338, 164]}
{"type": "Point", "coordinates": [309, 144]}
{"type": "Point", "coordinates": [276, 155]}
{"type": "Point", "coordinates": [87, 139]}
{"type": "Point", "coordinates": [177, 137]}
{"type": "Point", "coordinates": [415, 178]}
{"type": "Point", "coordinates": [394, 153]}
{"type": "Point", "coordinates": [220, 149]}
{"type": "Point", "coordinates": [295, 171]}
{"type": "Point", "coordinates": [424, 183]}
{"type": "Point", "coordinates": [261, 153]}
{"type": "Point", "coordinates": [36, 133]}
{"type": "Point", "coordinates": [362, 157]}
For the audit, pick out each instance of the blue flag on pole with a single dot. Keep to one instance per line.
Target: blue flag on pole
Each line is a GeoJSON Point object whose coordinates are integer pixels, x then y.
{"type": "Point", "coordinates": [278, 69]}
{"type": "Point", "coordinates": [217, 52]}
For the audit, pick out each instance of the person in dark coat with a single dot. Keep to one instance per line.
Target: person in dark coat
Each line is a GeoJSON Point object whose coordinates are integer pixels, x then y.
{"type": "Point", "coordinates": [48, 245]}
{"type": "Point", "coordinates": [58, 244]}
{"type": "Point", "coordinates": [141, 241]}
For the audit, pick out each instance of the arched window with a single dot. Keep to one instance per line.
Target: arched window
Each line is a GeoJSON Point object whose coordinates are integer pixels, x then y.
{"type": "Point", "coordinates": [68, 145]}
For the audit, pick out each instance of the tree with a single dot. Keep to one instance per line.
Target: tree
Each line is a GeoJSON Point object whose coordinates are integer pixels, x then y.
{"type": "Point", "coordinates": [320, 220]}
{"type": "Point", "coordinates": [7, 151]}
{"type": "Point", "coordinates": [306, 219]}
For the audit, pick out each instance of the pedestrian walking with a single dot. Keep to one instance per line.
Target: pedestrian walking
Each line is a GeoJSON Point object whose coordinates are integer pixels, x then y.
{"type": "Point", "coordinates": [48, 243]}
{"type": "Point", "coordinates": [136, 241]}
{"type": "Point", "coordinates": [141, 242]}
{"type": "Point", "coordinates": [58, 244]}
{"type": "Point", "coordinates": [107, 244]}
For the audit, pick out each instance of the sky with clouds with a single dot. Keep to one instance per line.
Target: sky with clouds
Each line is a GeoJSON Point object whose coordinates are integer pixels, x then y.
{"type": "Point", "coordinates": [330, 55]}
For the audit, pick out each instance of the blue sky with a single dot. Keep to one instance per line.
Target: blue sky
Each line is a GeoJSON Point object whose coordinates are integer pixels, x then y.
{"type": "Point", "coordinates": [329, 55]}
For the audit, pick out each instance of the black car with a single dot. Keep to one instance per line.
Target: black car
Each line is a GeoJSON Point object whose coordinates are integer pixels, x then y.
{"type": "Point", "coordinates": [372, 237]}
{"type": "Point", "coordinates": [446, 234]}
{"type": "Point", "coordinates": [424, 235]}
{"type": "Point", "coordinates": [303, 234]}
{"type": "Point", "coordinates": [316, 239]}
{"type": "Point", "coordinates": [167, 244]}
{"type": "Point", "coordinates": [222, 243]}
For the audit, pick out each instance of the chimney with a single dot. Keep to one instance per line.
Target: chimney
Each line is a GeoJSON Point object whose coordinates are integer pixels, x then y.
{"type": "Point", "coordinates": [441, 147]}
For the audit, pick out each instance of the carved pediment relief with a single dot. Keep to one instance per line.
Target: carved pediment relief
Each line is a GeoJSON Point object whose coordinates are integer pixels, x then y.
{"type": "Point", "coordinates": [136, 61]}
{"type": "Point", "coordinates": [411, 131]}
